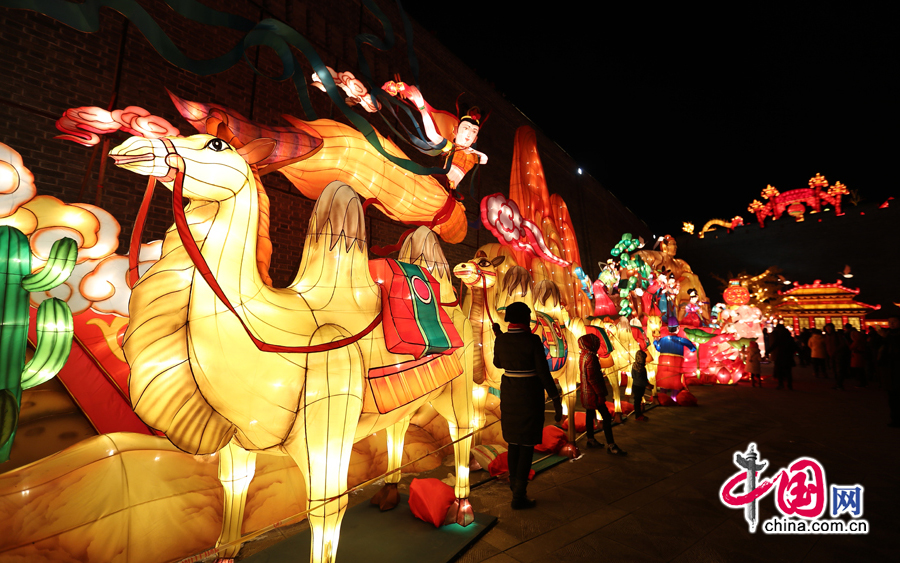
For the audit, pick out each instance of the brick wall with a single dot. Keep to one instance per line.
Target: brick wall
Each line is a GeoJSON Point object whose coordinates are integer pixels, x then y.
{"type": "Point", "coordinates": [48, 68]}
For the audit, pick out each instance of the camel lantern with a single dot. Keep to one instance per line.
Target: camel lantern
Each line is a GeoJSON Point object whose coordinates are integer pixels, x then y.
{"type": "Point", "coordinates": [220, 358]}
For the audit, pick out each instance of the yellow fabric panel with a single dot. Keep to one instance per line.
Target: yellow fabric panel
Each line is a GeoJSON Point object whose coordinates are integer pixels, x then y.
{"type": "Point", "coordinates": [393, 391]}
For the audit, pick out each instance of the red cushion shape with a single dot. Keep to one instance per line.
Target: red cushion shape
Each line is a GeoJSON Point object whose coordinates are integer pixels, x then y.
{"type": "Point", "coordinates": [580, 422]}
{"type": "Point", "coordinates": [665, 400]}
{"type": "Point", "coordinates": [429, 500]}
{"type": "Point", "coordinates": [500, 465]}
{"type": "Point", "coordinates": [554, 438]}
{"type": "Point", "coordinates": [686, 399]}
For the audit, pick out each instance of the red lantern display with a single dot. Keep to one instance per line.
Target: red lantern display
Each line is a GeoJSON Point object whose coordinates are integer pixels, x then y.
{"type": "Point", "coordinates": [736, 294]}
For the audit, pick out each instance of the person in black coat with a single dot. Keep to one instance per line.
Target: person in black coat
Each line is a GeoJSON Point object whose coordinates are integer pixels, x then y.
{"type": "Point", "coordinates": [783, 349]}
{"type": "Point", "coordinates": [526, 376]}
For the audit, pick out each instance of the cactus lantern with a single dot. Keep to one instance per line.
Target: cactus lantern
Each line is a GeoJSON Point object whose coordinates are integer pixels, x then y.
{"type": "Point", "coordinates": [54, 323]}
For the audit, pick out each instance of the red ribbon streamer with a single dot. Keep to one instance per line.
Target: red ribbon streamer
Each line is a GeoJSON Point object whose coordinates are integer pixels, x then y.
{"type": "Point", "coordinates": [385, 250]}
{"type": "Point", "coordinates": [134, 249]}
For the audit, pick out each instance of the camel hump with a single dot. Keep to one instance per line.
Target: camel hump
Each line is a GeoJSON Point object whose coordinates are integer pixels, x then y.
{"type": "Point", "coordinates": [424, 249]}
{"type": "Point", "coordinates": [339, 212]}
{"type": "Point", "coordinates": [546, 290]}
{"type": "Point", "coordinates": [517, 278]}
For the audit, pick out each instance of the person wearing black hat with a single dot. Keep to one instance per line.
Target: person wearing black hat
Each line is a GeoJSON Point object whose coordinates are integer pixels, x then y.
{"type": "Point", "coordinates": [526, 376]}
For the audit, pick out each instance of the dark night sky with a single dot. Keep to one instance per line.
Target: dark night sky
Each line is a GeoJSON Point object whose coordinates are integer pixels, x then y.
{"type": "Point", "coordinates": [707, 106]}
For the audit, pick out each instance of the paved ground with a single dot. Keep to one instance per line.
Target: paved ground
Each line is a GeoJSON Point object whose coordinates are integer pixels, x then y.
{"type": "Point", "coordinates": [661, 502]}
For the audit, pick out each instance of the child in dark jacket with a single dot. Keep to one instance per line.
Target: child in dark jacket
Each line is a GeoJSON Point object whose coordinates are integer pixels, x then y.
{"type": "Point", "coordinates": [593, 393]}
{"type": "Point", "coordinates": [639, 384]}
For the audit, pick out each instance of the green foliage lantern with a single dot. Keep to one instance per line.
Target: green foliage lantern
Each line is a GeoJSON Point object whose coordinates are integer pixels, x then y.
{"type": "Point", "coordinates": [627, 244]}
{"type": "Point", "coordinates": [740, 343]}
{"type": "Point", "coordinates": [698, 336]}
{"type": "Point", "coordinates": [634, 271]}
{"type": "Point", "coordinates": [54, 324]}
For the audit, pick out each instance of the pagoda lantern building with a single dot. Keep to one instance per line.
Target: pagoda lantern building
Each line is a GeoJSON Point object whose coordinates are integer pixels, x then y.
{"type": "Point", "coordinates": [817, 304]}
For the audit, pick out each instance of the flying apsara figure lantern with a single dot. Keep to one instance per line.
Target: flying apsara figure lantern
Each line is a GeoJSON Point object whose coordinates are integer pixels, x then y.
{"type": "Point", "coordinates": [452, 134]}
{"type": "Point", "coordinates": [311, 154]}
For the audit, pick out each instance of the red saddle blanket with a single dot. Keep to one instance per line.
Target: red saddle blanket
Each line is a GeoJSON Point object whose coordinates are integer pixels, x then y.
{"type": "Point", "coordinates": [414, 324]}
{"type": "Point", "coordinates": [414, 321]}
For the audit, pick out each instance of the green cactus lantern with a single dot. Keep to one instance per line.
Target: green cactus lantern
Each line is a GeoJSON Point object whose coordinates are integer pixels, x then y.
{"type": "Point", "coordinates": [54, 324]}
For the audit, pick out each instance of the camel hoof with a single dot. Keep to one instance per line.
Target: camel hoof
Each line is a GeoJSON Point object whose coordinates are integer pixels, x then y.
{"type": "Point", "coordinates": [387, 498]}
{"type": "Point", "coordinates": [460, 512]}
{"type": "Point", "coordinates": [570, 451]}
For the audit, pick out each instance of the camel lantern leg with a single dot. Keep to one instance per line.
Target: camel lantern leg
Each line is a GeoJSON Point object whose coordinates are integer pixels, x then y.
{"type": "Point", "coordinates": [455, 405]}
{"type": "Point", "coordinates": [613, 377]}
{"type": "Point", "coordinates": [388, 497]}
{"type": "Point", "coordinates": [568, 383]}
{"type": "Point", "coordinates": [479, 399]}
{"type": "Point", "coordinates": [236, 469]}
{"type": "Point", "coordinates": [322, 446]}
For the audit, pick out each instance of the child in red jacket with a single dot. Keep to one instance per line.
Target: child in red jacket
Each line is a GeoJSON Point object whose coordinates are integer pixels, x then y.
{"type": "Point", "coordinates": [593, 393]}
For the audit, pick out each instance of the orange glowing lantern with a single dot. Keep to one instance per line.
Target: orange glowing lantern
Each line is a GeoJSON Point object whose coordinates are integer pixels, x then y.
{"type": "Point", "coordinates": [736, 294]}
{"type": "Point", "coordinates": [755, 206]}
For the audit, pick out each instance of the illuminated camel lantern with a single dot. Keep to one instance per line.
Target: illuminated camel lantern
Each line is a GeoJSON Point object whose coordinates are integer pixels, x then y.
{"type": "Point", "coordinates": [326, 377]}
{"type": "Point", "coordinates": [625, 346]}
{"type": "Point", "coordinates": [494, 281]}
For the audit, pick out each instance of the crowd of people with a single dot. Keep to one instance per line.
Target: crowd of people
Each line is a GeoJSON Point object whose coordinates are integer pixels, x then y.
{"type": "Point", "coordinates": [847, 353]}
{"type": "Point", "coordinates": [838, 353]}
{"type": "Point", "coordinates": [842, 354]}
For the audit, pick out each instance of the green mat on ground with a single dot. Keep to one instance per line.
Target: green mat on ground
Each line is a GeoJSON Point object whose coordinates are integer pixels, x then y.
{"type": "Point", "coordinates": [546, 461]}
{"type": "Point", "coordinates": [395, 536]}
{"type": "Point", "coordinates": [540, 462]}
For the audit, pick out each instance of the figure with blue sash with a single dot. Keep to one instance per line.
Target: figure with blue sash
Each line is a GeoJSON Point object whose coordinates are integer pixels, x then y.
{"type": "Point", "coordinates": [671, 358]}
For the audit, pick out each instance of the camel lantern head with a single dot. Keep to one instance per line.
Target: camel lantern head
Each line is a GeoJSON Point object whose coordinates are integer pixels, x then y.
{"type": "Point", "coordinates": [217, 169]}
{"type": "Point", "coordinates": [479, 271]}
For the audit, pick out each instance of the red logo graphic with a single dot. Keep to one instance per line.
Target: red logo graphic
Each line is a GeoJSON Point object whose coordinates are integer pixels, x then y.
{"type": "Point", "coordinates": [801, 487]}
{"type": "Point", "coordinates": [796, 495]}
